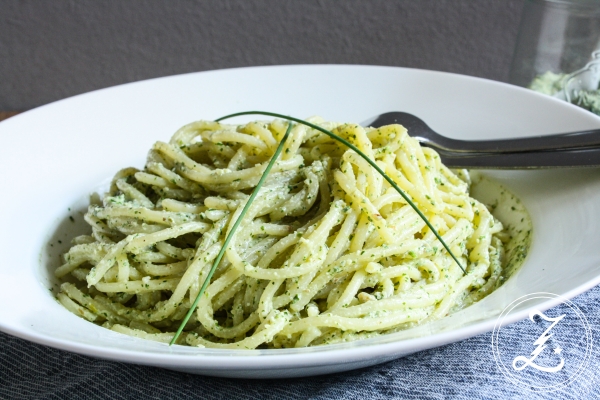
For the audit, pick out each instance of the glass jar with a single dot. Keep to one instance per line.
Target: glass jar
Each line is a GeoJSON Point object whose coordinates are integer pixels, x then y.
{"type": "Point", "coordinates": [556, 50]}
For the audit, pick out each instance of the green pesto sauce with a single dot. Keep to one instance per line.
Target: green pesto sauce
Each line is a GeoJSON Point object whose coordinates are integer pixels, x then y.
{"type": "Point", "coordinates": [509, 209]}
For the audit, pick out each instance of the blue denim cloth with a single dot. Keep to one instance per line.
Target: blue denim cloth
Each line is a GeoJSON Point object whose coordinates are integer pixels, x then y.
{"type": "Point", "coordinates": [464, 370]}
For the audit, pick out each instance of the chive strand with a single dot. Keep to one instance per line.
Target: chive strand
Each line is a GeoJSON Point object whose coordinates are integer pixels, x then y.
{"type": "Point", "coordinates": [263, 178]}
{"type": "Point", "coordinates": [232, 233]}
{"type": "Point", "coordinates": [360, 153]}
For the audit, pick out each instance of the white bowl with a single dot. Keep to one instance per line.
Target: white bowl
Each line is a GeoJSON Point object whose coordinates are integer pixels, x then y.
{"type": "Point", "coordinates": [54, 156]}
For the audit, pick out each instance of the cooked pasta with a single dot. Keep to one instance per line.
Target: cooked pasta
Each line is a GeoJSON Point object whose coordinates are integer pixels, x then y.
{"type": "Point", "coordinates": [328, 251]}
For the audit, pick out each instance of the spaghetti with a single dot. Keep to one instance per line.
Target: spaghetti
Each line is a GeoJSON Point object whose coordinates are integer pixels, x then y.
{"type": "Point", "coordinates": [327, 252]}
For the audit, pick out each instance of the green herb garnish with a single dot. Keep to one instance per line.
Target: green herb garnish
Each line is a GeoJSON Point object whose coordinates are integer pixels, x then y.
{"type": "Point", "coordinates": [232, 232]}
{"type": "Point", "coordinates": [367, 159]}
{"type": "Point", "coordinates": [263, 178]}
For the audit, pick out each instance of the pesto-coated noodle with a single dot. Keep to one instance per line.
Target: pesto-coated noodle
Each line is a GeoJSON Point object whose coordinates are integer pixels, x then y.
{"type": "Point", "coordinates": [327, 252]}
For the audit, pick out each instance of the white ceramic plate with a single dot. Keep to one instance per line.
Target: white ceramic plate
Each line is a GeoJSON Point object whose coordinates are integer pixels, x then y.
{"type": "Point", "coordinates": [52, 157]}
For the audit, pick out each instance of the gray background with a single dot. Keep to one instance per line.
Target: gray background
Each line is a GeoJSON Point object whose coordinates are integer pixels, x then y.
{"type": "Point", "coordinates": [55, 49]}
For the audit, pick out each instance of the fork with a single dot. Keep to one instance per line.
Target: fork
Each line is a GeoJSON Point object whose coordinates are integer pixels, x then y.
{"type": "Point", "coordinates": [574, 149]}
